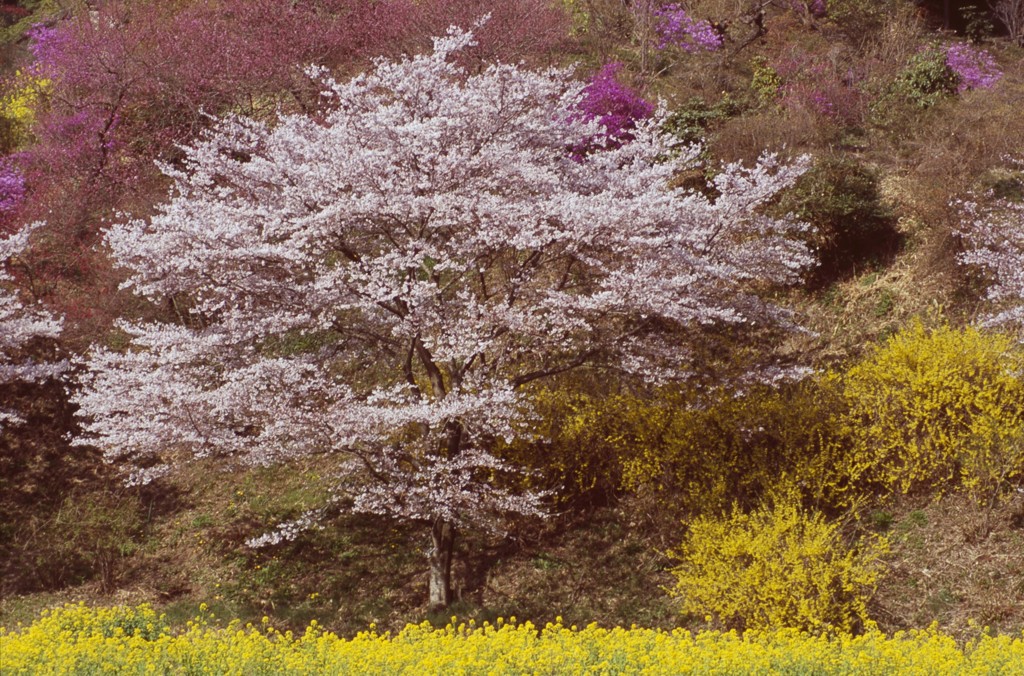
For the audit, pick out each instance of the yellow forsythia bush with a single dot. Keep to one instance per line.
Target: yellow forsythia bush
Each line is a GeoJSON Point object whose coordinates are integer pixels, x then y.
{"type": "Point", "coordinates": [934, 407]}
{"type": "Point", "coordinates": [777, 566]}
{"type": "Point", "coordinates": [728, 448]}
{"type": "Point", "coordinates": [700, 452]}
{"type": "Point", "coordinates": [574, 450]}
{"type": "Point", "coordinates": [18, 101]}
{"type": "Point", "coordinates": [82, 640]}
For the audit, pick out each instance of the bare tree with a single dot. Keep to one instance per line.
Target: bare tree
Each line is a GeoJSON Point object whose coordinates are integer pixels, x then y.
{"type": "Point", "coordinates": [1011, 14]}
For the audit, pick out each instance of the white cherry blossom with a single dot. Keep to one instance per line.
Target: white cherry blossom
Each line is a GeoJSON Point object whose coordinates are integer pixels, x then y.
{"type": "Point", "coordinates": [20, 326]}
{"type": "Point", "coordinates": [381, 281]}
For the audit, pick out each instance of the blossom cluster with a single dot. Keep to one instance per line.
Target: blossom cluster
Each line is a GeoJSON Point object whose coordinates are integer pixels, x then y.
{"type": "Point", "coordinates": [47, 44]}
{"type": "Point", "coordinates": [12, 188]}
{"type": "Point", "coordinates": [676, 28]}
{"type": "Point", "coordinates": [21, 326]}
{"type": "Point", "coordinates": [614, 106]}
{"type": "Point", "coordinates": [993, 235]}
{"type": "Point", "coordinates": [975, 68]}
{"type": "Point", "coordinates": [139, 640]}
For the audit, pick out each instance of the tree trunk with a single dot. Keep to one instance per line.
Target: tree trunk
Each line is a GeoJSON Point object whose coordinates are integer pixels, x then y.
{"type": "Point", "coordinates": [442, 536]}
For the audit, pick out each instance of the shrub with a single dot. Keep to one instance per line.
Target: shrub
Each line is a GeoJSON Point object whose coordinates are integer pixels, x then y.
{"type": "Point", "coordinates": [840, 197]}
{"type": "Point", "coordinates": [19, 97]}
{"type": "Point", "coordinates": [676, 28]}
{"type": "Point", "coordinates": [935, 408]}
{"type": "Point", "coordinates": [862, 20]}
{"type": "Point", "coordinates": [974, 68]}
{"type": "Point", "coordinates": [765, 82]}
{"type": "Point", "coordinates": [978, 26]}
{"type": "Point", "coordinates": [617, 107]}
{"type": "Point", "coordinates": [578, 443]}
{"type": "Point", "coordinates": [777, 566]}
{"type": "Point", "coordinates": [698, 453]}
{"type": "Point", "coordinates": [926, 79]}
{"type": "Point", "coordinates": [691, 121]}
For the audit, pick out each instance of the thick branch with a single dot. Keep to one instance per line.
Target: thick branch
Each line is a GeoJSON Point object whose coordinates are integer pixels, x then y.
{"type": "Point", "coordinates": [580, 360]}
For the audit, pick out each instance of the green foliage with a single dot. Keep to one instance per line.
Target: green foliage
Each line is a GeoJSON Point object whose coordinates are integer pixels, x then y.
{"type": "Point", "coordinates": [936, 408]}
{"type": "Point", "coordinates": [859, 18]}
{"type": "Point", "coordinates": [978, 26]}
{"type": "Point", "coordinates": [580, 14]}
{"type": "Point", "coordinates": [777, 566]}
{"type": "Point", "coordinates": [765, 81]}
{"type": "Point", "coordinates": [691, 121]}
{"type": "Point", "coordinates": [926, 79]}
{"type": "Point", "coordinates": [840, 197]}
{"type": "Point", "coordinates": [39, 11]}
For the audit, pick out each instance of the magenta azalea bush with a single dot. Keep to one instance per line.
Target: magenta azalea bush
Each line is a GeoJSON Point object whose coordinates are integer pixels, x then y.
{"type": "Point", "coordinates": [676, 28]}
{"type": "Point", "coordinates": [975, 68]}
{"type": "Point", "coordinates": [614, 105]}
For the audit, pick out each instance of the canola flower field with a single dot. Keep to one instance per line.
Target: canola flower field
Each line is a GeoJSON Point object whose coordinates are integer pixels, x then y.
{"type": "Point", "coordinates": [77, 639]}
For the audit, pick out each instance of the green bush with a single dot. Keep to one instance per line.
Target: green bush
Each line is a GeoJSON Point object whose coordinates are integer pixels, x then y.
{"type": "Point", "coordinates": [859, 19]}
{"type": "Point", "coordinates": [691, 121]}
{"type": "Point", "coordinates": [840, 197]}
{"type": "Point", "coordinates": [765, 82]}
{"type": "Point", "coordinates": [926, 79]}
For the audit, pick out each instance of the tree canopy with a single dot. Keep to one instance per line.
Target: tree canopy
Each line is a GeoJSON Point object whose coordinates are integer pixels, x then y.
{"type": "Point", "coordinates": [381, 280]}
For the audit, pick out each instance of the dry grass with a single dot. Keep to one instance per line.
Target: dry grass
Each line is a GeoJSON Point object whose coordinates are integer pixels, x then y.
{"type": "Point", "coordinates": [954, 564]}
{"type": "Point", "coordinates": [855, 313]}
{"type": "Point", "coordinates": [606, 566]}
{"type": "Point", "coordinates": [792, 131]}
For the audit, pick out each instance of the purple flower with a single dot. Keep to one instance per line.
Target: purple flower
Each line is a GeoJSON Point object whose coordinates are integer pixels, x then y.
{"type": "Point", "coordinates": [47, 44]}
{"type": "Point", "coordinates": [12, 188]}
{"type": "Point", "coordinates": [677, 28]}
{"type": "Point", "coordinates": [613, 104]}
{"type": "Point", "coordinates": [975, 68]}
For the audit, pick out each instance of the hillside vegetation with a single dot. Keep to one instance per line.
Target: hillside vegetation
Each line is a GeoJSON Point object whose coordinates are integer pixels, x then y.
{"type": "Point", "coordinates": [721, 329]}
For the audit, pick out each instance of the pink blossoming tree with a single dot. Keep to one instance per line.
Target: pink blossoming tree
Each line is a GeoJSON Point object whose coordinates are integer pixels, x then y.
{"type": "Point", "coordinates": [379, 284]}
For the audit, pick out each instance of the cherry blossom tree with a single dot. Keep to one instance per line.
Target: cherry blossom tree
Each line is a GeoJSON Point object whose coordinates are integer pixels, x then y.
{"type": "Point", "coordinates": [379, 284]}
{"type": "Point", "coordinates": [992, 233]}
{"type": "Point", "coordinates": [21, 327]}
